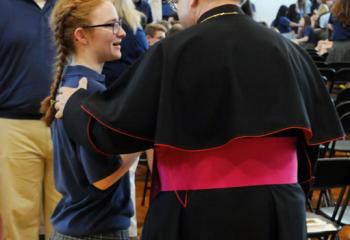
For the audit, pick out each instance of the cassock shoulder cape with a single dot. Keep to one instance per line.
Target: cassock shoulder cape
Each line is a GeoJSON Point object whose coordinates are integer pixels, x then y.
{"type": "Point", "coordinates": [220, 80]}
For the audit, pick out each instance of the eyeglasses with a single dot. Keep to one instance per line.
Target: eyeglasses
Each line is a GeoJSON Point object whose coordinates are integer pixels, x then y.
{"type": "Point", "coordinates": [173, 4]}
{"type": "Point", "coordinates": [116, 25]}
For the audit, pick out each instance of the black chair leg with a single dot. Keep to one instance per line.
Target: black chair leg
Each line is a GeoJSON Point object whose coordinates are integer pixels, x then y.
{"type": "Point", "coordinates": [329, 198]}
{"type": "Point", "coordinates": [145, 187]}
{"type": "Point", "coordinates": [335, 236]}
{"type": "Point", "coordinates": [308, 202]}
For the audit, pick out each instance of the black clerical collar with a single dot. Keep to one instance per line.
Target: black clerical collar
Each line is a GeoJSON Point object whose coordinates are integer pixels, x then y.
{"type": "Point", "coordinates": [227, 8]}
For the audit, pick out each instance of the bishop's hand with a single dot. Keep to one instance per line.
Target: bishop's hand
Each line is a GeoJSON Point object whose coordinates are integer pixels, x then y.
{"type": "Point", "coordinates": [64, 93]}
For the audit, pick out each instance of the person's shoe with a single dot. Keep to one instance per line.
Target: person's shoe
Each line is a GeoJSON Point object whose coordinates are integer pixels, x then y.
{"type": "Point", "coordinates": [134, 238]}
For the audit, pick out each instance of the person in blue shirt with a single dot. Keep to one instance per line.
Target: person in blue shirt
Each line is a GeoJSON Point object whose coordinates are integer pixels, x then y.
{"type": "Point", "coordinates": [248, 8]}
{"type": "Point", "coordinates": [294, 16]}
{"type": "Point", "coordinates": [321, 18]}
{"type": "Point", "coordinates": [144, 7]}
{"type": "Point", "coordinates": [307, 38]}
{"type": "Point", "coordinates": [168, 10]}
{"type": "Point", "coordinates": [27, 189]}
{"type": "Point", "coordinates": [304, 7]}
{"type": "Point", "coordinates": [340, 24]}
{"type": "Point", "coordinates": [283, 24]}
{"type": "Point", "coordinates": [95, 186]}
{"type": "Point", "coordinates": [315, 4]}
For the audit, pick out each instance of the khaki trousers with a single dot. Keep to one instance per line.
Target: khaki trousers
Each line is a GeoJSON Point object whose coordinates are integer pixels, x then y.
{"type": "Point", "coordinates": [1, 229]}
{"type": "Point", "coordinates": [26, 178]}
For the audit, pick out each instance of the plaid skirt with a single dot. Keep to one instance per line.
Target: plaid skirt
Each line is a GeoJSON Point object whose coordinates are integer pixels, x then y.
{"type": "Point", "coordinates": [120, 235]}
{"type": "Point", "coordinates": [340, 52]}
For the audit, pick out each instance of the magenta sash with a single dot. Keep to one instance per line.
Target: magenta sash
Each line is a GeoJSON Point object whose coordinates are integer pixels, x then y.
{"type": "Point", "coordinates": [239, 163]}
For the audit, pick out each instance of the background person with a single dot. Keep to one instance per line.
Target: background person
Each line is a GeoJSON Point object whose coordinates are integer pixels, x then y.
{"type": "Point", "coordinates": [95, 187]}
{"type": "Point", "coordinates": [27, 191]}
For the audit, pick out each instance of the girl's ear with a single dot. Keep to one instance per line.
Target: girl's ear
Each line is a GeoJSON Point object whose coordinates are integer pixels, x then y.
{"type": "Point", "coordinates": [80, 36]}
{"type": "Point", "coordinates": [194, 3]}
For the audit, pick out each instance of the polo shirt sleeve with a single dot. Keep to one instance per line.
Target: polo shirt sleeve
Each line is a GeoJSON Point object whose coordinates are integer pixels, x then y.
{"type": "Point", "coordinates": [284, 21]}
{"type": "Point", "coordinates": [331, 19]}
{"type": "Point", "coordinates": [97, 166]}
{"type": "Point", "coordinates": [307, 32]}
{"type": "Point", "coordinates": [141, 41]}
{"type": "Point", "coordinates": [149, 14]}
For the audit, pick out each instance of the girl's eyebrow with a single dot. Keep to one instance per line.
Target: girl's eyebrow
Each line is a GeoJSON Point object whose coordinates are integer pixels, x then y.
{"type": "Point", "coordinates": [112, 20]}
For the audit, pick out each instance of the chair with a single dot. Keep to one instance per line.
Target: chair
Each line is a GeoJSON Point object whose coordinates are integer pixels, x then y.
{"type": "Point", "coordinates": [327, 221]}
{"type": "Point", "coordinates": [317, 58]}
{"type": "Point", "coordinates": [324, 80]}
{"type": "Point", "coordinates": [342, 76]}
{"type": "Point", "coordinates": [321, 64]}
{"type": "Point", "coordinates": [146, 187]}
{"type": "Point", "coordinates": [339, 65]}
{"type": "Point", "coordinates": [342, 105]}
{"type": "Point", "coordinates": [311, 51]}
{"type": "Point", "coordinates": [329, 73]}
{"type": "Point", "coordinates": [343, 96]}
{"type": "Point", "coordinates": [342, 145]}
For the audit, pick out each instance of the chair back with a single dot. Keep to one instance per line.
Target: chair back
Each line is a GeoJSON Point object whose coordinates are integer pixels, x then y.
{"type": "Point", "coordinates": [317, 58]}
{"type": "Point", "coordinates": [342, 96]}
{"type": "Point", "coordinates": [339, 65]}
{"type": "Point", "coordinates": [342, 105]}
{"type": "Point", "coordinates": [345, 121]}
{"type": "Point", "coordinates": [341, 76]}
{"type": "Point", "coordinates": [311, 51]}
{"type": "Point", "coordinates": [321, 64]}
{"type": "Point", "coordinates": [334, 173]}
{"type": "Point", "coordinates": [329, 74]}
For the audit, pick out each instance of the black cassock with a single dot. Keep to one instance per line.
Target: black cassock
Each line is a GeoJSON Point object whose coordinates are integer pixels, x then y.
{"type": "Point", "coordinates": [224, 78]}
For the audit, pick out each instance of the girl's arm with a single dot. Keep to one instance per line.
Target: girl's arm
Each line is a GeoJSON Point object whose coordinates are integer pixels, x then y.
{"type": "Point", "coordinates": [293, 24]}
{"type": "Point", "coordinates": [127, 161]}
{"type": "Point", "coordinates": [301, 40]}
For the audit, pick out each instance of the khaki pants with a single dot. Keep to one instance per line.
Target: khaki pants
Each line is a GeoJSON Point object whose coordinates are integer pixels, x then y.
{"type": "Point", "coordinates": [26, 178]}
{"type": "Point", "coordinates": [1, 230]}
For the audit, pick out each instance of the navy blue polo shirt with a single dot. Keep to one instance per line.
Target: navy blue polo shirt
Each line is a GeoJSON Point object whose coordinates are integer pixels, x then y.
{"type": "Point", "coordinates": [309, 32]}
{"type": "Point", "coordinates": [167, 10]}
{"type": "Point", "coordinates": [27, 56]}
{"type": "Point", "coordinates": [283, 25]}
{"type": "Point", "coordinates": [145, 8]}
{"type": "Point", "coordinates": [340, 31]}
{"type": "Point", "coordinates": [85, 209]}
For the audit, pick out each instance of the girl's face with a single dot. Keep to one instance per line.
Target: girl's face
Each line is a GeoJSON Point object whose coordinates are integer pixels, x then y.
{"type": "Point", "coordinates": [104, 41]}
